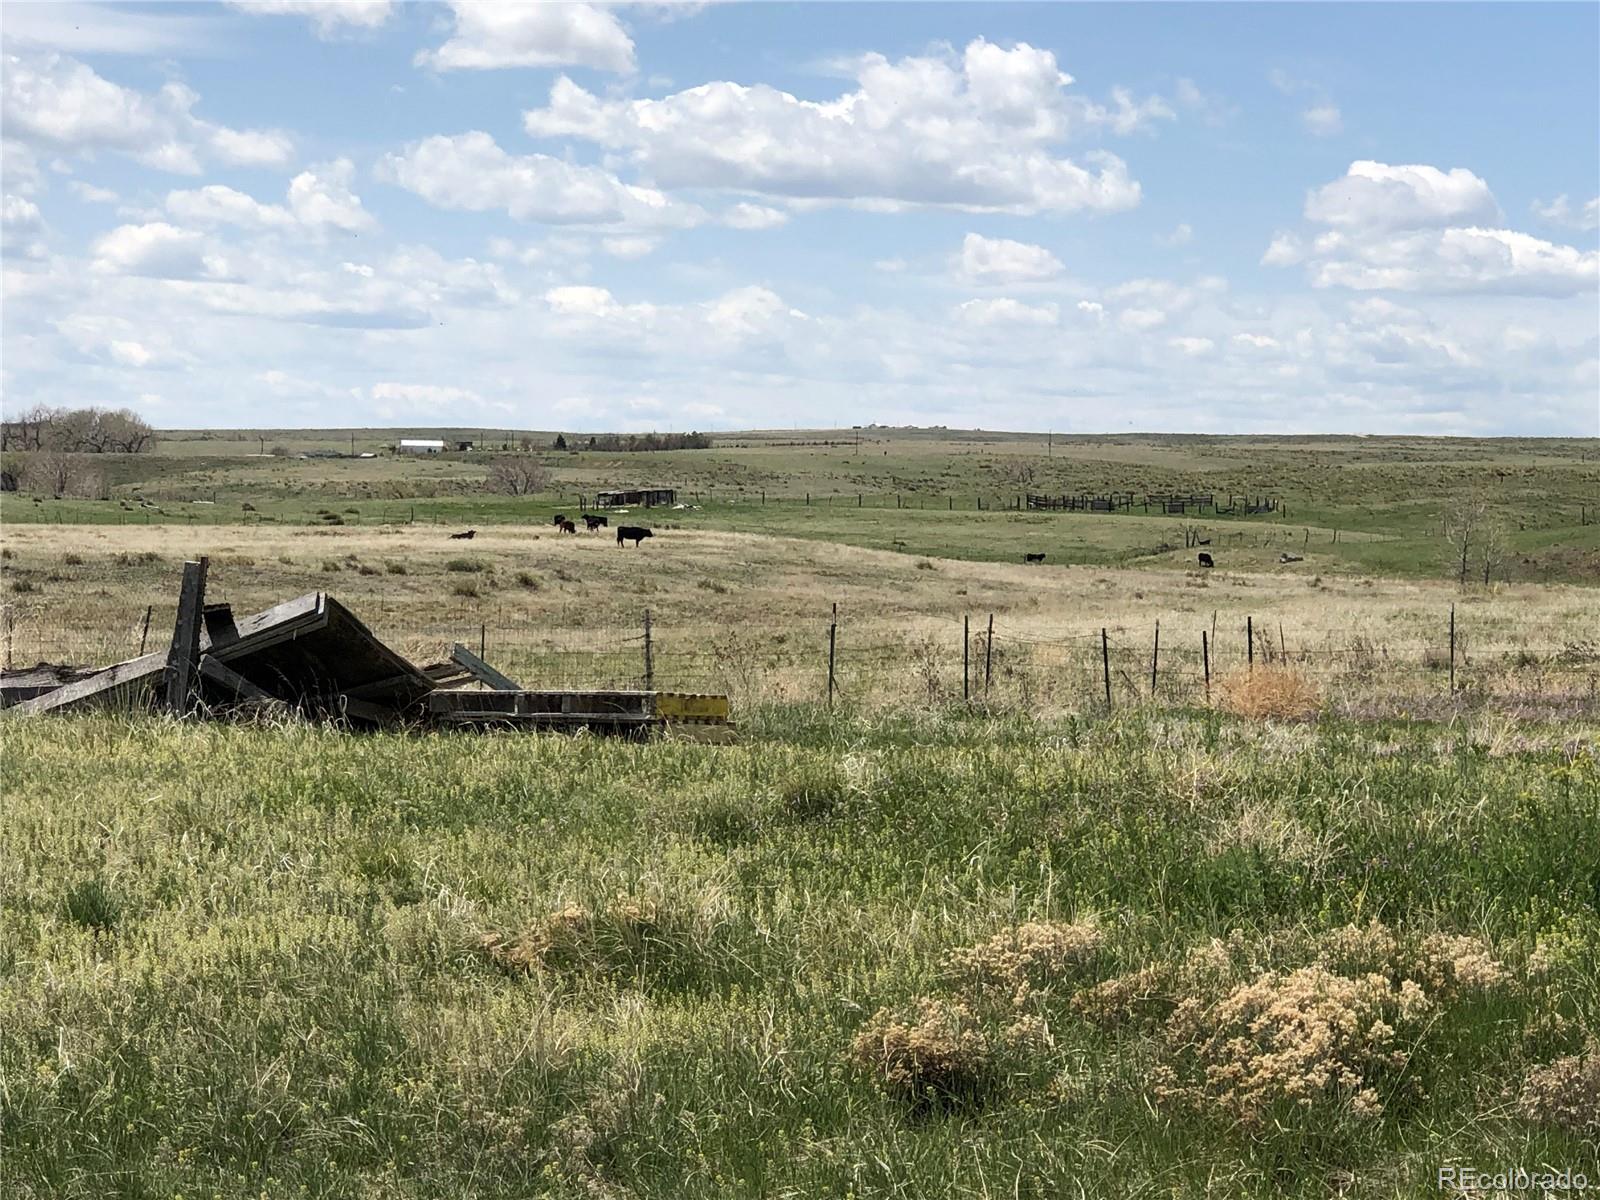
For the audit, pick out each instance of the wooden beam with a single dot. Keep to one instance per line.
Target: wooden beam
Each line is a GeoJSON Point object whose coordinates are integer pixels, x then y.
{"type": "Point", "coordinates": [100, 685]}
{"type": "Point", "coordinates": [230, 679]}
{"type": "Point", "coordinates": [482, 671]}
{"type": "Point", "coordinates": [184, 655]}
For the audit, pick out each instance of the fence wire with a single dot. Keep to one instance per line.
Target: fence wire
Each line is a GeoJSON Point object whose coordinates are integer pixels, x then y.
{"type": "Point", "coordinates": [93, 614]}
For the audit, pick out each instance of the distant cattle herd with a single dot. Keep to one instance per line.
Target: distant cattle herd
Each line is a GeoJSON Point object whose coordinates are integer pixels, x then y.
{"type": "Point", "coordinates": [625, 533]}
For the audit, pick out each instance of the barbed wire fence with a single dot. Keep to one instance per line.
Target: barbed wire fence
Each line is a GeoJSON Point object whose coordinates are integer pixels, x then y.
{"type": "Point", "coordinates": [80, 615]}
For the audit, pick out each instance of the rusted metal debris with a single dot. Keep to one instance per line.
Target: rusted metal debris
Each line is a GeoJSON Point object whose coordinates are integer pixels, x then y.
{"type": "Point", "coordinates": [313, 656]}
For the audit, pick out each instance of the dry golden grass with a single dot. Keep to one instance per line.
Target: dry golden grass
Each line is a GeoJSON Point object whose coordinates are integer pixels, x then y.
{"type": "Point", "coordinates": [1274, 693]}
{"type": "Point", "coordinates": [753, 611]}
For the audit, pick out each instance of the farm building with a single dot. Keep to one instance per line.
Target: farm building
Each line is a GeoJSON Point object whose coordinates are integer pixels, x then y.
{"type": "Point", "coordinates": [419, 446]}
{"type": "Point", "coordinates": [645, 497]}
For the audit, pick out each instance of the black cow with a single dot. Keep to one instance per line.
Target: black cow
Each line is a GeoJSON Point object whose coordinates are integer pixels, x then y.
{"type": "Point", "coordinates": [567, 526]}
{"type": "Point", "coordinates": [558, 518]}
{"type": "Point", "coordinates": [1028, 558]}
{"type": "Point", "coordinates": [1205, 560]}
{"type": "Point", "coordinates": [594, 522]}
{"type": "Point", "coordinates": [468, 535]}
{"type": "Point", "coordinates": [1286, 557]}
{"type": "Point", "coordinates": [637, 532]}
{"type": "Point", "coordinates": [1202, 541]}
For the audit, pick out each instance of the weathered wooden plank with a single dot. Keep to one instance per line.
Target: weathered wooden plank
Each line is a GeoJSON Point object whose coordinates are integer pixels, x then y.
{"type": "Point", "coordinates": [482, 671]}
{"type": "Point", "coordinates": [184, 655]}
{"type": "Point", "coordinates": [135, 672]}
{"type": "Point", "coordinates": [227, 677]}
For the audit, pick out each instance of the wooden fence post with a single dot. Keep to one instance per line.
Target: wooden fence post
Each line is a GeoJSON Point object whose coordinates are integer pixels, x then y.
{"type": "Point", "coordinates": [649, 660]}
{"type": "Point", "coordinates": [183, 657]}
{"type": "Point", "coordinates": [1105, 664]}
{"type": "Point", "coordinates": [1205, 659]}
{"type": "Point", "coordinates": [144, 634]}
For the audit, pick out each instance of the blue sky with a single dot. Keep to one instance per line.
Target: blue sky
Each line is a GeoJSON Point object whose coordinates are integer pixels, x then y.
{"type": "Point", "coordinates": [1203, 217]}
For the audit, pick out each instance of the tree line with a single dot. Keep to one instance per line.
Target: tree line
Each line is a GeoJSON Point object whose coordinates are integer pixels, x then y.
{"type": "Point", "coordinates": [78, 431]}
{"type": "Point", "coordinates": [629, 442]}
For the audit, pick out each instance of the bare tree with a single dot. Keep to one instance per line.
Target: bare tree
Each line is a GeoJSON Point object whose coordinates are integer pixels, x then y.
{"type": "Point", "coordinates": [78, 431]}
{"type": "Point", "coordinates": [516, 476]}
{"type": "Point", "coordinates": [1477, 538]}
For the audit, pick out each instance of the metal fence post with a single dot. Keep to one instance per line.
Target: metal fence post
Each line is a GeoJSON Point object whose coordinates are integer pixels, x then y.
{"type": "Point", "coordinates": [833, 634]}
{"type": "Point", "coordinates": [1205, 659]}
{"type": "Point", "coordinates": [1250, 640]}
{"type": "Point", "coordinates": [1155, 654]}
{"type": "Point", "coordinates": [1452, 649]}
{"type": "Point", "coordinates": [144, 634]}
{"type": "Point", "coordinates": [966, 648]}
{"type": "Point", "coordinates": [1105, 663]}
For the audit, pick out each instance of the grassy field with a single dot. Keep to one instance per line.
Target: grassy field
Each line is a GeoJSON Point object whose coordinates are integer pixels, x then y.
{"type": "Point", "coordinates": [1318, 929]}
{"type": "Point", "coordinates": [1388, 499]}
{"type": "Point", "coordinates": [1165, 954]}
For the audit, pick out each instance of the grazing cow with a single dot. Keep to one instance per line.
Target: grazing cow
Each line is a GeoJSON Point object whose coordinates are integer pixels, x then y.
{"type": "Point", "coordinates": [1202, 541]}
{"type": "Point", "coordinates": [1286, 557]}
{"type": "Point", "coordinates": [467, 536]}
{"type": "Point", "coordinates": [567, 526]}
{"type": "Point", "coordinates": [594, 522]}
{"type": "Point", "coordinates": [1205, 560]}
{"type": "Point", "coordinates": [637, 532]}
{"type": "Point", "coordinates": [1028, 558]}
{"type": "Point", "coordinates": [558, 518]}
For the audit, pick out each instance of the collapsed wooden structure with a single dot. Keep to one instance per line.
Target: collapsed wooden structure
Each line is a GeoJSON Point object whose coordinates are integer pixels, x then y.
{"type": "Point", "coordinates": [314, 656]}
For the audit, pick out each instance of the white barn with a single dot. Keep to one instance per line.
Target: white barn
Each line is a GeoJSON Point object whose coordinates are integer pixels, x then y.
{"type": "Point", "coordinates": [420, 446]}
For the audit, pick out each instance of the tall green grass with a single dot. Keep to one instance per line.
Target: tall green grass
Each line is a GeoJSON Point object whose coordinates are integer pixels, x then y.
{"type": "Point", "coordinates": [240, 960]}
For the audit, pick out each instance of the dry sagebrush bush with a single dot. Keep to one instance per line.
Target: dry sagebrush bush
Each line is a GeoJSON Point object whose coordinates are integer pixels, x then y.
{"type": "Point", "coordinates": [618, 937]}
{"type": "Point", "coordinates": [1029, 956]}
{"type": "Point", "coordinates": [939, 1055]}
{"type": "Point", "coordinates": [1271, 693]}
{"type": "Point", "coordinates": [1565, 1093]}
{"type": "Point", "coordinates": [1303, 1039]}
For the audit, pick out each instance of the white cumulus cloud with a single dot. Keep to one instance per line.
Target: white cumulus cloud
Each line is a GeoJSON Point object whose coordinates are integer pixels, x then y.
{"type": "Point", "coordinates": [1561, 211]}
{"type": "Point", "coordinates": [1416, 228]}
{"type": "Point", "coordinates": [1001, 261]}
{"type": "Point", "coordinates": [328, 17]}
{"type": "Point", "coordinates": [1006, 311]}
{"type": "Point", "coordinates": [471, 172]}
{"type": "Point", "coordinates": [979, 133]}
{"type": "Point", "coordinates": [59, 102]}
{"type": "Point", "coordinates": [515, 33]}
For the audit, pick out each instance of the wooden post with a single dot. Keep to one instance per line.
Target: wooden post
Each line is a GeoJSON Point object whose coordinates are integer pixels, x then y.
{"type": "Point", "coordinates": [183, 658]}
{"type": "Point", "coordinates": [1155, 655]}
{"type": "Point", "coordinates": [966, 656]}
{"type": "Point", "coordinates": [988, 656]}
{"type": "Point", "coordinates": [11, 623]}
{"type": "Point", "coordinates": [483, 639]}
{"type": "Point", "coordinates": [1452, 649]}
{"type": "Point", "coordinates": [144, 634]}
{"type": "Point", "coordinates": [649, 661]}
{"type": "Point", "coordinates": [833, 633]}
{"type": "Point", "coordinates": [1283, 646]}
{"type": "Point", "coordinates": [1205, 659]}
{"type": "Point", "coordinates": [1105, 664]}
{"type": "Point", "coordinates": [1250, 640]}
